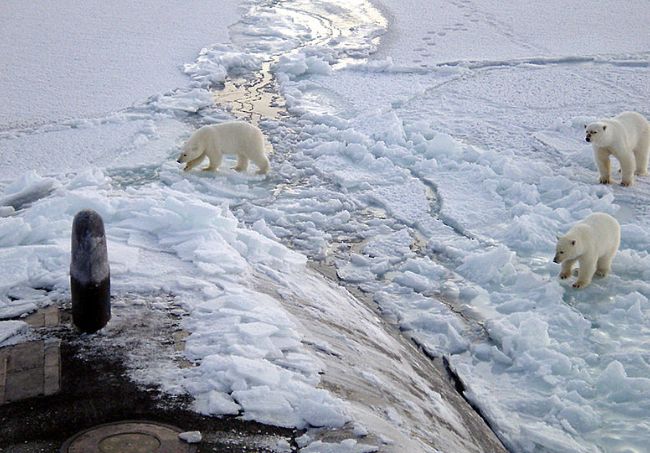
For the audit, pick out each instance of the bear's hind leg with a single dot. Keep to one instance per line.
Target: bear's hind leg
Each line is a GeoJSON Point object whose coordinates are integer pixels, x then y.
{"type": "Point", "coordinates": [604, 265]}
{"type": "Point", "coordinates": [242, 163]}
{"type": "Point", "coordinates": [642, 153]}
{"type": "Point", "coordinates": [263, 165]}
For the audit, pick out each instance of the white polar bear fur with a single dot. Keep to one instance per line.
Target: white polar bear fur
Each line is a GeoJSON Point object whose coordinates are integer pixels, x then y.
{"type": "Point", "coordinates": [627, 138]}
{"type": "Point", "coordinates": [232, 137]}
{"type": "Point", "coordinates": [593, 242]}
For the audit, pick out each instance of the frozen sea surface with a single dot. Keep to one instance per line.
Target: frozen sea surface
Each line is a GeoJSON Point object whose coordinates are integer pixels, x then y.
{"type": "Point", "coordinates": [430, 155]}
{"type": "Point", "coordinates": [65, 60]}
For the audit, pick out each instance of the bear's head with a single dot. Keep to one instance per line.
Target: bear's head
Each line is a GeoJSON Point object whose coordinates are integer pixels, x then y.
{"type": "Point", "coordinates": [189, 152]}
{"type": "Point", "coordinates": [596, 133]}
{"type": "Point", "coordinates": [567, 248]}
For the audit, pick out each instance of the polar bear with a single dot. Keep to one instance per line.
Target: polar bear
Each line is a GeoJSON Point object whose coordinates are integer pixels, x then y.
{"type": "Point", "coordinates": [626, 137]}
{"type": "Point", "coordinates": [232, 137]}
{"type": "Point", "coordinates": [593, 242]}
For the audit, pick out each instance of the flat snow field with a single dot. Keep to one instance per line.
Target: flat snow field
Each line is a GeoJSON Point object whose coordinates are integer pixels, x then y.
{"type": "Point", "coordinates": [429, 154]}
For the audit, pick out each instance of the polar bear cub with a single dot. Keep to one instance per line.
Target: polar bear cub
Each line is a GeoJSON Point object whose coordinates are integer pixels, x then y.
{"type": "Point", "coordinates": [593, 242]}
{"type": "Point", "coordinates": [627, 138]}
{"type": "Point", "coordinates": [232, 137]}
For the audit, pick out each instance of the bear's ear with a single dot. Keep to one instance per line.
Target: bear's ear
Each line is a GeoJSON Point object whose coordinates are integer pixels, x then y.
{"type": "Point", "coordinates": [573, 242]}
{"type": "Point", "coordinates": [585, 126]}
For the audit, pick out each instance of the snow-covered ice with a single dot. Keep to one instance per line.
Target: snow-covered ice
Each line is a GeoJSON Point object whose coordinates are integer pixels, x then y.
{"type": "Point", "coordinates": [10, 329]}
{"type": "Point", "coordinates": [430, 155]}
{"type": "Point", "coordinates": [68, 61]}
{"type": "Point", "coordinates": [191, 437]}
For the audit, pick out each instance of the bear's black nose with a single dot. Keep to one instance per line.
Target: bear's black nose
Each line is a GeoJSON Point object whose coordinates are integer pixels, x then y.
{"type": "Point", "coordinates": [588, 139]}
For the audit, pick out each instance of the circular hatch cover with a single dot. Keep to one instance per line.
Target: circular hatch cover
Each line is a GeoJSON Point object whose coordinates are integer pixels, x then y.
{"type": "Point", "coordinates": [128, 437]}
